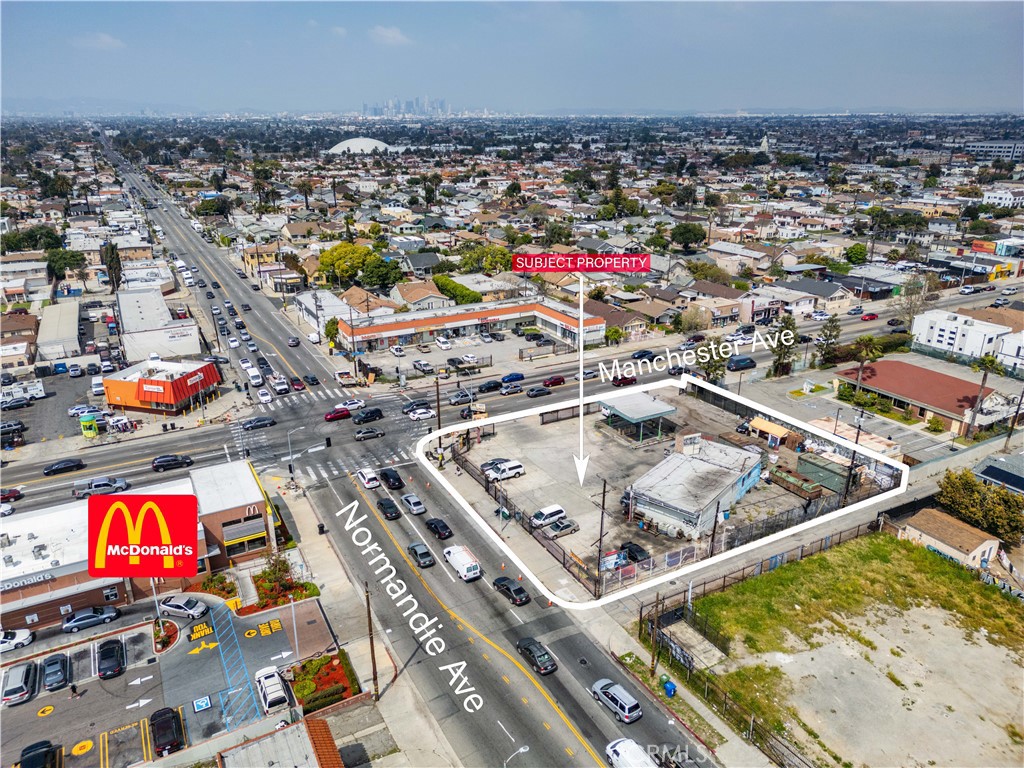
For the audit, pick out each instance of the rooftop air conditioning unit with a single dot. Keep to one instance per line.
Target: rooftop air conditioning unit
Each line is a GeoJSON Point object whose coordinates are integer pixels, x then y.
{"type": "Point", "coordinates": [54, 563]}
{"type": "Point", "coordinates": [5, 540]}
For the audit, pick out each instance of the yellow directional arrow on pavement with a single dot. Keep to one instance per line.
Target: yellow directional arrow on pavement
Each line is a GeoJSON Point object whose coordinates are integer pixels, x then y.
{"type": "Point", "coordinates": [203, 645]}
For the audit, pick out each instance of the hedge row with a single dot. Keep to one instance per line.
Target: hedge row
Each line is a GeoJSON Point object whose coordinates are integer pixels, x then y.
{"type": "Point", "coordinates": [460, 293]}
{"type": "Point", "coordinates": [324, 698]}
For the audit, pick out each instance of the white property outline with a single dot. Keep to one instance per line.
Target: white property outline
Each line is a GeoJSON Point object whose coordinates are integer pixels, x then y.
{"type": "Point", "coordinates": [684, 381]}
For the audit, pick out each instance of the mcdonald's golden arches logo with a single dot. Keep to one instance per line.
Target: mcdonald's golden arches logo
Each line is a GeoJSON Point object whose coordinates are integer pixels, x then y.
{"type": "Point", "coordinates": [123, 545]}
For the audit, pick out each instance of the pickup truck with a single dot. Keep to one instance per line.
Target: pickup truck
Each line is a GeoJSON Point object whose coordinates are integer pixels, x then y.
{"type": "Point", "coordinates": [98, 485]}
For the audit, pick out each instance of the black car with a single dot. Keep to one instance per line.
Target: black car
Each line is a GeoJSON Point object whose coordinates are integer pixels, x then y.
{"type": "Point", "coordinates": [392, 479]}
{"type": "Point", "coordinates": [455, 362]}
{"type": "Point", "coordinates": [744, 428]}
{"type": "Point", "coordinates": [532, 336]}
{"type": "Point", "coordinates": [167, 734]}
{"type": "Point", "coordinates": [366, 415]}
{"type": "Point", "coordinates": [803, 338]}
{"type": "Point", "coordinates": [677, 370]}
{"type": "Point", "coordinates": [92, 369]}
{"type": "Point", "coordinates": [239, 325]}
{"type": "Point", "coordinates": [643, 354]}
{"type": "Point", "coordinates": [389, 509]}
{"type": "Point", "coordinates": [415, 405]}
{"type": "Point", "coordinates": [210, 295]}
{"type": "Point", "coordinates": [497, 336]}
{"type": "Point", "coordinates": [262, 362]}
{"type": "Point", "coordinates": [64, 465]}
{"type": "Point", "coordinates": [537, 655]}
{"type": "Point", "coordinates": [6, 379]}
{"type": "Point", "coordinates": [201, 284]}
{"type": "Point", "coordinates": [246, 308]}
{"type": "Point", "coordinates": [254, 286]}
{"type": "Point", "coordinates": [512, 590]}
{"type": "Point", "coordinates": [517, 331]}
{"type": "Point", "coordinates": [634, 552]}
{"type": "Point", "coordinates": [42, 754]}
{"type": "Point", "coordinates": [545, 342]}
{"type": "Point", "coordinates": [258, 422]}
{"type": "Point", "coordinates": [110, 659]}
{"type": "Point", "coordinates": [216, 359]}
{"type": "Point", "coordinates": [420, 554]}
{"type": "Point", "coordinates": [171, 461]}
{"type": "Point", "coordinates": [55, 672]}
{"type": "Point", "coordinates": [537, 392]}
{"type": "Point", "coordinates": [489, 386]}
{"type": "Point", "coordinates": [439, 528]}
{"type": "Point", "coordinates": [894, 321]}
{"type": "Point", "coordinates": [368, 433]}
{"type": "Point", "coordinates": [311, 380]}
{"type": "Point", "coordinates": [215, 284]}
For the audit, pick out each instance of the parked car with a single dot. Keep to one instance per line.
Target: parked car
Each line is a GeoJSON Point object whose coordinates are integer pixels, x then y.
{"type": "Point", "coordinates": [562, 527]}
{"type": "Point", "coordinates": [64, 465]}
{"type": "Point", "coordinates": [184, 606]}
{"type": "Point", "coordinates": [420, 554]}
{"type": "Point", "coordinates": [110, 659]}
{"type": "Point", "coordinates": [491, 464]}
{"type": "Point", "coordinates": [89, 617]}
{"type": "Point", "coordinates": [439, 528]}
{"type": "Point", "coordinates": [15, 638]}
{"type": "Point", "coordinates": [858, 310]}
{"type": "Point", "coordinates": [545, 342]}
{"type": "Point", "coordinates": [388, 508]}
{"type": "Point", "coordinates": [634, 552]}
{"type": "Point", "coordinates": [536, 655]}
{"type": "Point", "coordinates": [369, 433]}
{"type": "Point", "coordinates": [470, 359]}
{"type": "Point", "coordinates": [166, 732]}
{"type": "Point", "coordinates": [56, 671]}
{"type": "Point", "coordinates": [171, 461]}
{"type": "Point", "coordinates": [14, 403]}
{"type": "Point", "coordinates": [513, 591]}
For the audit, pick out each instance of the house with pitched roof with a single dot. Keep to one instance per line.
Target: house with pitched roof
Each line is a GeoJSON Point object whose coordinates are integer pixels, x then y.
{"type": "Point", "coordinates": [420, 294]}
{"type": "Point", "coordinates": [952, 538]}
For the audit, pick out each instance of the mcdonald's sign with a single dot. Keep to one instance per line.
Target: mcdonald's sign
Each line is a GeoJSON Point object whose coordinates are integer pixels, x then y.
{"type": "Point", "coordinates": [122, 545]}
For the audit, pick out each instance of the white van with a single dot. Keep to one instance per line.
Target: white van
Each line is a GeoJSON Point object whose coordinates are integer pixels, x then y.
{"type": "Point", "coordinates": [464, 563]}
{"type": "Point", "coordinates": [505, 470]}
{"type": "Point", "coordinates": [255, 377]}
{"type": "Point", "coordinates": [626, 753]}
{"type": "Point", "coordinates": [546, 516]}
{"type": "Point", "coordinates": [97, 385]}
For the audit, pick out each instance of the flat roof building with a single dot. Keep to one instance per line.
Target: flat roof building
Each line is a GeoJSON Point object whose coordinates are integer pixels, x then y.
{"type": "Point", "coordinates": [58, 332]}
{"type": "Point", "coordinates": [162, 386]}
{"type": "Point", "coordinates": [147, 327]}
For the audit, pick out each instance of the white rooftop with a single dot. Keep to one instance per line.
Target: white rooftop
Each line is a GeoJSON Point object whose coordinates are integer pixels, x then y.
{"type": "Point", "coordinates": [691, 481]}
{"type": "Point", "coordinates": [225, 486]}
{"type": "Point", "coordinates": [143, 309]}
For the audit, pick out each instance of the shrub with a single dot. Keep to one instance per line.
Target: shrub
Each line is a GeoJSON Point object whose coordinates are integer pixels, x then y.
{"type": "Point", "coordinates": [303, 688]}
{"type": "Point", "coordinates": [845, 393]}
{"type": "Point", "coordinates": [884, 406]}
{"type": "Point", "coordinates": [935, 425]}
{"type": "Point", "coordinates": [324, 698]}
{"type": "Point", "coordinates": [350, 673]}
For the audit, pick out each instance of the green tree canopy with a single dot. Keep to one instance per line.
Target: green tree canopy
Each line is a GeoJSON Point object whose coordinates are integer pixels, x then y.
{"type": "Point", "coordinates": [829, 340]}
{"type": "Point", "coordinates": [35, 238]}
{"type": "Point", "coordinates": [59, 262]}
{"type": "Point", "coordinates": [783, 353]}
{"type": "Point", "coordinates": [856, 253]}
{"type": "Point", "coordinates": [344, 261]}
{"type": "Point", "coordinates": [990, 507]}
{"type": "Point", "coordinates": [688, 234]}
{"type": "Point", "coordinates": [381, 273]}
{"type": "Point", "coordinates": [701, 270]}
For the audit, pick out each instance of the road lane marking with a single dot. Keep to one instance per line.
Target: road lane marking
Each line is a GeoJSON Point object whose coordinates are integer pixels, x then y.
{"type": "Point", "coordinates": [506, 731]}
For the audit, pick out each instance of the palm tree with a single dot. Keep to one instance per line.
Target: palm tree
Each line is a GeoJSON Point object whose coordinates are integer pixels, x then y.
{"type": "Point", "coordinates": [986, 364]}
{"type": "Point", "coordinates": [334, 191]}
{"type": "Point", "coordinates": [62, 186]}
{"type": "Point", "coordinates": [259, 186]}
{"type": "Point", "coordinates": [305, 188]}
{"type": "Point", "coordinates": [867, 350]}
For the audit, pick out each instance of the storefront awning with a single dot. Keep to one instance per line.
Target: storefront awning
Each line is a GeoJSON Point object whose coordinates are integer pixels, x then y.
{"type": "Point", "coordinates": [244, 531]}
{"type": "Point", "coordinates": [763, 425]}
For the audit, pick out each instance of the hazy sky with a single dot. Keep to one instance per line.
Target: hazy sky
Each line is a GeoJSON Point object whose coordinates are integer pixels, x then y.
{"type": "Point", "coordinates": [521, 57]}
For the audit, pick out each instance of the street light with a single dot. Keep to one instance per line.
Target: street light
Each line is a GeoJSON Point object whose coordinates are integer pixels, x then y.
{"type": "Point", "coordinates": [291, 470]}
{"type": "Point", "coordinates": [521, 750]}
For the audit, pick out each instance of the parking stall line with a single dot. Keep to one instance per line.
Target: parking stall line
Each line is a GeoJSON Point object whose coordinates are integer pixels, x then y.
{"type": "Point", "coordinates": [184, 726]}
{"type": "Point", "coordinates": [144, 737]}
{"type": "Point", "coordinates": [104, 750]}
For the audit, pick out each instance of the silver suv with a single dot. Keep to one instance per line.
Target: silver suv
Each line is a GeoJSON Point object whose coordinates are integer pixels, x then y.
{"type": "Point", "coordinates": [625, 708]}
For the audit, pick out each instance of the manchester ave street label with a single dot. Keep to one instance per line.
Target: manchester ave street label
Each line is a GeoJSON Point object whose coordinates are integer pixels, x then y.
{"type": "Point", "coordinates": [581, 262]}
{"type": "Point", "coordinates": [139, 535]}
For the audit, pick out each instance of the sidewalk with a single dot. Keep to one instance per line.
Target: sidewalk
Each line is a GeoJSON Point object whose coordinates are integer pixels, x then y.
{"type": "Point", "coordinates": [419, 737]}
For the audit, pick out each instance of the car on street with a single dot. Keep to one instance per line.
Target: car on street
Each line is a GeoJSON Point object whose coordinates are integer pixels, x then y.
{"type": "Point", "coordinates": [234, 343]}
{"type": "Point", "coordinates": [210, 295]}
{"type": "Point", "coordinates": [89, 617]}
{"type": "Point", "coordinates": [462, 397]}
{"type": "Point", "coordinates": [625, 708]}
{"type": "Point", "coordinates": [216, 359]}
{"type": "Point", "coordinates": [264, 396]}
{"type": "Point", "coordinates": [587, 375]}
{"type": "Point", "coordinates": [367, 415]}
{"type": "Point", "coordinates": [171, 461]}
{"type": "Point", "coordinates": [369, 433]}
{"type": "Point", "coordinates": [388, 508]}
{"type": "Point", "coordinates": [623, 381]}
{"type": "Point", "coordinates": [819, 315]}
{"type": "Point", "coordinates": [536, 655]}
{"type": "Point", "coordinates": [368, 478]}
{"type": "Point", "coordinates": [392, 479]}
{"type": "Point", "coordinates": [489, 386]}
{"type": "Point", "coordinates": [420, 554]}
{"type": "Point", "coordinates": [311, 380]}
{"type": "Point", "coordinates": [353, 405]}
{"type": "Point", "coordinates": [6, 510]}
{"type": "Point", "coordinates": [294, 341]}
{"type": "Point", "coordinates": [513, 591]}
{"type": "Point", "coordinates": [64, 465]}
{"type": "Point", "coordinates": [1009, 291]}
{"type": "Point", "coordinates": [734, 336]}
{"type": "Point", "coordinates": [185, 606]}
{"type": "Point", "coordinates": [869, 316]}
{"type": "Point", "coordinates": [439, 528]}
{"type": "Point", "coordinates": [687, 345]}
{"type": "Point", "coordinates": [894, 321]}
{"type": "Point", "coordinates": [166, 732]}
{"type": "Point", "coordinates": [215, 284]}
{"type": "Point", "coordinates": [646, 354]}
{"type": "Point", "coordinates": [246, 308]}
{"type": "Point", "coordinates": [553, 381]}
{"type": "Point", "coordinates": [537, 392]}
{"type": "Point", "coordinates": [1000, 302]}
{"type": "Point", "coordinates": [110, 659]}
{"type": "Point", "coordinates": [634, 552]}
{"type": "Point", "coordinates": [560, 528]}
{"type": "Point", "coordinates": [15, 638]}
{"type": "Point", "coordinates": [215, 309]}
{"type": "Point", "coordinates": [858, 310]}
{"type": "Point", "coordinates": [422, 413]}
{"type": "Point", "coordinates": [510, 389]}
{"type": "Point", "coordinates": [258, 422]}
{"type": "Point", "coordinates": [10, 494]}
{"type": "Point", "coordinates": [254, 286]}
{"type": "Point", "coordinates": [509, 378]}
{"type": "Point", "coordinates": [250, 345]}
{"type": "Point", "coordinates": [413, 504]}
{"type": "Point", "coordinates": [337, 414]}
{"type": "Point", "coordinates": [296, 383]}
{"type": "Point", "coordinates": [415, 405]}
{"type": "Point", "coordinates": [56, 671]}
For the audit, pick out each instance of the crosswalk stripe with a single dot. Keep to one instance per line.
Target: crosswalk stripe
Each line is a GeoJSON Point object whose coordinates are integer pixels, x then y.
{"type": "Point", "coordinates": [323, 471]}
{"type": "Point", "coordinates": [312, 474]}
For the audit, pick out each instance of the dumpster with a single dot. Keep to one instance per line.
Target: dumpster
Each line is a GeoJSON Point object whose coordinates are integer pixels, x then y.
{"type": "Point", "coordinates": [670, 689]}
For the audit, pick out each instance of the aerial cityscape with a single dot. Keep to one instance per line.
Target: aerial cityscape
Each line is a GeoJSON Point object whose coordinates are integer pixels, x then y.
{"type": "Point", "coordinates": [512, 384]}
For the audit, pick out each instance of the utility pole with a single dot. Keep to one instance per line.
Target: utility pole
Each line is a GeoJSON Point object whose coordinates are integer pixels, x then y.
{"type": "Point", "coordinates": [1012, 424]}
{"type": "Point", "coordinates": [654, 631]}
{"type": "Point", "coordinates": [600, 535]}
{"type": "Point", "coordinates": [373, 652]}
{"type": "Point", "coordinates": [853, 460]}
{"type": "Point", "coordinates": [352, 341]}
{"type": "Point", "coordinates": [437, 409]}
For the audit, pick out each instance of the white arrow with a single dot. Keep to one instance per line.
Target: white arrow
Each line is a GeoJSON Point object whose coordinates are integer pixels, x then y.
{"type": "Point", "coordinates": [140, 680]}
{"type": "Point", "coordinates": [282, 655]}
{"type": "Point", "coordinates": [581, 459]}
{"type": "Point", "coordinates": [140, 703]}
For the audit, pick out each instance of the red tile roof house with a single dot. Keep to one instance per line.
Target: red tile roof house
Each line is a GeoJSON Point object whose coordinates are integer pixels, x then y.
{"type": "Point", "coordinates": [928, 393]}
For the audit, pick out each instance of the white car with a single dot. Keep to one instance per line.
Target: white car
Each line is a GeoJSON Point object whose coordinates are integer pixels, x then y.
{"type": "Point", "coordinates": [397, 351]}
{"type": "Point", "coordinates": [215, 310]}
{"type": "Point", "coordinates": [234, 343]}
{"type": "Point", "coordinates": [246, 364]}
{"type": "Point", "coordinates": [353, 405]}
{"type": "Point", "coordinates": [587, 374]}
{"type": "Point", "coordinates": [244, 336]}
{"type": "Point", "coordinates": [264, 396]}
{"type": "Point", "coordinates": [469, 358]}
{"type": "Point", "coordinates": [443, 343]}
{"type": "Point", "coordinates": [227, 303]}
{"type": "Point", "coordinates": [252, 346]}
{"type": "Point", "coordinates": [368, 478]}
{"type": "Point", "coordinates": [820, 316]}
{"type": "Point", "coordinates": [422, 413]}
{"type": "Point", "coordinates": [15, 638]}
{"type": "Point", "coordinates": [6, 509]}
{"type": "Point", "coordinates": [734, 336]}
{"type": "Point", "coordinates": [1008, 291]}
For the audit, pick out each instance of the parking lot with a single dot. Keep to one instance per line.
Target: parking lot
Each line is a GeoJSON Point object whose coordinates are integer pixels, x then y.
{"type": "Point", "coordinates": [207, 676]}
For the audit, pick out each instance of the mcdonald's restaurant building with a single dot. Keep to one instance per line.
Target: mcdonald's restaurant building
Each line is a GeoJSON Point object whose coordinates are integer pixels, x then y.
{"type": "Point", "coordinates": [45, 573]}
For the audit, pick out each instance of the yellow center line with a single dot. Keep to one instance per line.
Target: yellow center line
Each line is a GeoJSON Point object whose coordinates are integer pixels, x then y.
{"type": "Point", "coordinates": [524, 700]}
{"type": "Point", "coordinates": [460, 621]}
{"type": "Point", "coordinates": [486, 657]}
{"type": "Point", "coordinates": [547, 725]}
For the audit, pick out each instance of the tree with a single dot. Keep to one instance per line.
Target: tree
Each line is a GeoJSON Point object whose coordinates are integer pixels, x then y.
{"type": "Point", "coordinates": [989, 507]}
{"type": "Point", "coordinates": [555, 233]}
{"type": "Point", "coordinates": [513, 190]}
{"type": "Point", "coordinates": [343, 262]}
{"type": "Point", "coordinates": [606, 212]}
{"type": "Point", "coordinates": [657, 241]}
{"type": "Point", "coordinates": [614, 334]}
{"type": "Point", "coordinates": [62, 186]}
{"type": "Point", "coordinates": [713, 367]}
{"type": "Point", "coordinates": [712, 199]}
{"type": "Point", "coordinates": [986, 364]}
{"type": "Point", "coordinates": [331, 329]}
{"type": "Point", "coordinates": [381, 273]}
{"type": "Point", "coordinates": [60, 261]}
{"type": "Point", "coordinates": [713, 273]}
{"type": "Point", "coordinates": [930, 182]}
{"type": "Point", "coordinates": [856, 253]}
{"type": "Point", "coordinates": [688, 234]}
{"type": "Point", "coordinates": [784, 353]}
{"type": "Point", "coordinates": [453, 290]}
{"type": "Point", "coordinates": [111, 259]}
{"type": "Point", "coordinates": [685, 195]}
{"type": "Point", "coordinates": [214, 206]}
{"type": "Point", "coordinates": [912, 300]}
{"type": "Point", "coordinates": [828, 340]}
{"type": "Point", "coordinates": [485, 258]}
{"type": "Point", "coordinates": [867, 349]}
{"type": "Point", "coordinates": [597, 293]}
{"type": "Point", "coordinates": [39, 237]}
{"type": "Point", "coordinates": [305, 188]}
